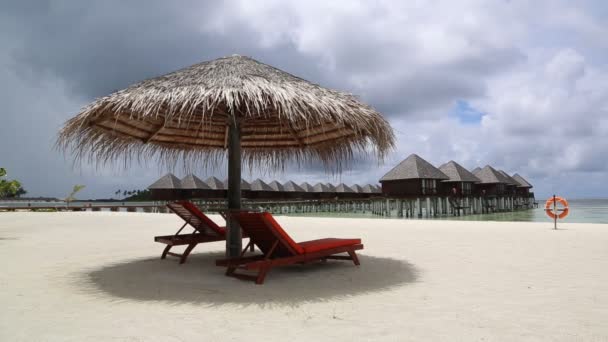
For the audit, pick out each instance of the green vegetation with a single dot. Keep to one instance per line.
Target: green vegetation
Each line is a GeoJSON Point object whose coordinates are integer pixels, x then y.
{"type": "Point", "coordinates": [75, 190]}
{"type": "Point", "coordinates": [10, 188]}
{"type": "Point", "coordinates": [134, 195]}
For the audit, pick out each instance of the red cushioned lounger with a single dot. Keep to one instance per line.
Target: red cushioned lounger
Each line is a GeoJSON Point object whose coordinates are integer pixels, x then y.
{"type": "Point", "coordinates": [279, 249]}
{"type": "Point", "coordinates": [205, 230]}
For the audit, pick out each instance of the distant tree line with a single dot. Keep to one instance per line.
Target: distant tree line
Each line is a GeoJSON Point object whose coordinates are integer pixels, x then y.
{"type": "Point", "coordinates": [133, 195]}
{"type": "Point", "coordinates": [10, 188]}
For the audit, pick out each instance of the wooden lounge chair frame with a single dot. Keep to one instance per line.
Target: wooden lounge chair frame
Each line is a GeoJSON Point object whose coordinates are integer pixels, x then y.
{"type": "Point", "coordinates": [204, 231]}
{"type": "Point", "coordinates": [264, 262]}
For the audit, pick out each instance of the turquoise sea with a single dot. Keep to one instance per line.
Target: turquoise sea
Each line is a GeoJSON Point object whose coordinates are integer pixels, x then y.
{"type": "Point", "coordinates": [581, 211]}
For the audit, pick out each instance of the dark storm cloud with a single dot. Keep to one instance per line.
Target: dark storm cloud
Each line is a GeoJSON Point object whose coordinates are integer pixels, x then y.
{"type": "Point", "coordinates": [100, 47]}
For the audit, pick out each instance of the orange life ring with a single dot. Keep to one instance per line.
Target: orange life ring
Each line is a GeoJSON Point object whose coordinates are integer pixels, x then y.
{"type": "Point", "coordinates": [549, 207]}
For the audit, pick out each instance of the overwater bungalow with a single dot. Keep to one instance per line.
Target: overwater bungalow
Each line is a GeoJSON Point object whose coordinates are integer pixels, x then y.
{"type": "Point", "coordinates": [322, 190]}
{"type": "Point", "coordinates": [217, 187]}
{"type": "Point", "coordinates": [260, 190]}
{"type": "Point", "coordinates": [368, 189]}
{"type": "Point", "coordinates": [166, 188]}
{"type": "Point", "coordinates": [293, 190]}
{"type": "Point", "coordinates": [194, 187]}
{"type": "Point", "coordinates": [344, 191]}
{"type": "Point", "coordinates": [278, 190]}
{"type": "Point", "coordinates": [276, 186]}
{"type": "Point", "coordinates": [511, 186]}
{"type": "Point", "coordinates": [492, 182]}
{"type": "Point", "coordinates": [523, 187]}
{"type": "Point", "coordinates": [357, 188]}
{"type": "Point", "coordinates": [460, 182]}
{"type": "Point", "coordinates": [307, 187]}
{"type": "Point", "coordinates": [414, 176]}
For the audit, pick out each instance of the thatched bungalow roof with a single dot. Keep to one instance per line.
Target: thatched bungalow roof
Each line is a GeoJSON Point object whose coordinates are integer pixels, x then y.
{"type": "Point", "coordinates": [457, 173]}
{"type": "Point", "coordinates": [276, 186]}
{"type": "Point", "coordinates": [168, 181]}
{"type": "Point", "coordinates": [307, 187]}
{"type": "Point", "coordinates": [509, 179]}
{"type": "Point", "coordinates": [357, 188]}
{"type": "Point", "coordinates": [330, 187]}
{"type": "Point", "coordinates": [413, 167]}
{"type": "Point", "coordinates": [290, 186]}
{"type": "Point", "coordinates": [321, 187]}
{"type": "Point", "coordinates": [215, 184]}
{"type": "Point", "coordinates": [193, 182]}
{"type": "Point", "coordinates": [368, 189]}
{"type": "Point", "coordinates": [475, 170]}
{"type": "Point", "coordinates": [377, 189]}
{"type": "Point", "coordinates": [244, 184]}
{"type": "Point", "coordinates": [185, 115]}
{"type": "Point", "coordinates": [523, 183]}
{"type": "Point", "coordinates": [259, 185]}
{"type": "Point", "coordinates": [343, 188]}
{"type": "Point", "coordinates": [489, 175]}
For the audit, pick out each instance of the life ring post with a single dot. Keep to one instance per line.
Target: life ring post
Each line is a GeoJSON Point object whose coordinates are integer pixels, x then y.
{"type": "Point", "coordinates": [555, 211]}
{"type": "Point", "coordinates": [551, 209]}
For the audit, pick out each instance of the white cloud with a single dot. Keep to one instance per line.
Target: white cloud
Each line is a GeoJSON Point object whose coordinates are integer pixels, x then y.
{"type": "Point", "coordinates": [537, 71]}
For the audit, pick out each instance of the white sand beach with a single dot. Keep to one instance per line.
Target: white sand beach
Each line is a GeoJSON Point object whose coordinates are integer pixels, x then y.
{"type": "Point", "coordinates": [98, 277]}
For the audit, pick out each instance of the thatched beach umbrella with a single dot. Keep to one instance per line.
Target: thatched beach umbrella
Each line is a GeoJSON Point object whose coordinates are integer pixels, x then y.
{"type": "Point", "coordinates": [234, 108]}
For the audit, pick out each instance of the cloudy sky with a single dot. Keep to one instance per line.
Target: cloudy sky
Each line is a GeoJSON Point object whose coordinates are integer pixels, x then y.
{"type": "Point", "coordinates": [520, 85]}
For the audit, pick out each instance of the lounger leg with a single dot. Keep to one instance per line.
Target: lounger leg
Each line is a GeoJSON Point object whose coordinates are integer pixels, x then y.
{"type": "Point", "coordinates": [165, 251]}
{"type": "Point", "coordinates": [187, 252]}
{"type": "Point", "coordinates": [354, 257]}
{"type": "Point", "coordinates": [262, 275]}
{"type": "Point", "coordinates": [230, 270]}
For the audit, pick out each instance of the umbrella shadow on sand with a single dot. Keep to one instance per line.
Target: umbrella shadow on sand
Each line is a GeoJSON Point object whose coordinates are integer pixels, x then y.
{"type": "Point", "coordinates": [199, 281]}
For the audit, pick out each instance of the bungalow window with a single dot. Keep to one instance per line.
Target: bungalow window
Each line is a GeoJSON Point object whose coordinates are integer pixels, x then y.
{"type": "Point", "coordinates": [429, 186]}
{"type": "Point", "coordinates": [466, 188]}
{"type": "Point", "coordinates": [500, 188]}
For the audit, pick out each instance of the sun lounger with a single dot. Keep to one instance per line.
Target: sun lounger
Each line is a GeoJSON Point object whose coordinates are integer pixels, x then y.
{"type": "Point", "coordinates": [205, 230]}
{"type": "Point", "coordinates": [279, 249]}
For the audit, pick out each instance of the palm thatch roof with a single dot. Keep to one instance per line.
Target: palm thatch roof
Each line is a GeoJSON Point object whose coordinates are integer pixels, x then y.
{"type": "Point", "coordinates": [276, 186]}
{"type": "Point", "coordinates": [413, 167]}
{"type": "Point", "coordinates": [259, 185]}
{"type": "Point", "coordinates": [509, 179]}
{"type": "Point", "coordinates": [330, 187]}
{"type": "Point", "coordinates": [168, 181]}
{"type": "Point", "coordinates": [185, 115]}
{"type": "Point", "coordinates": [343, 188]}
{"type": "Point", "coordinates": [377, 189]}
{"type": "Point", "coordinates": [523, 183]}
{"type": "Point", "coordinates": [193, 182]}
{"type": "Point", "coordinates": [475, 170]}
{"type": "Point", "coordinates": [457, 173]}
{"type": "Point", "coordinates": [290, 186]}
{"type": "Point", "coordinates": [307, 187]}
{"type": "Point", "coordinates": [215, 184]}
{"type": "Point", "coordinates": [489, 175]}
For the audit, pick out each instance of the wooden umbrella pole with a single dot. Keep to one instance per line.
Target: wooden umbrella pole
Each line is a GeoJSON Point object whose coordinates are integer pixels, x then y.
{"type": "Point", "coordinates": [233, 238]}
